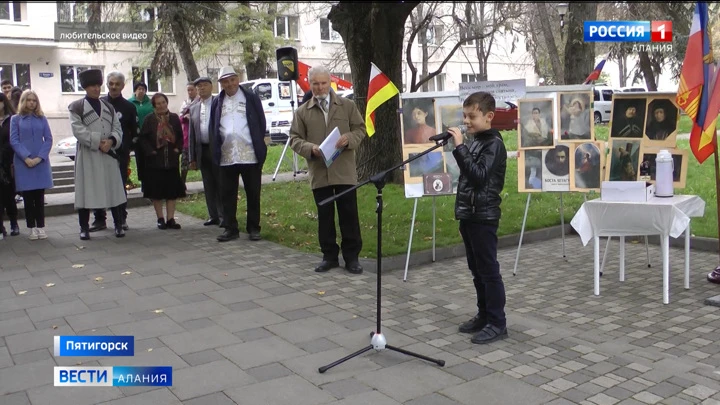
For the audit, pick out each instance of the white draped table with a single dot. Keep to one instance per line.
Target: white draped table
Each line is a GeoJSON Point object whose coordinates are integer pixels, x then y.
{"type": "Point", "coordinates": [667, 217]}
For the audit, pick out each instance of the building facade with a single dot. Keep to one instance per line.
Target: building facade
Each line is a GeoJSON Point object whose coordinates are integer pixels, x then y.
{"type": "Point", "coordinates": [31, 57]}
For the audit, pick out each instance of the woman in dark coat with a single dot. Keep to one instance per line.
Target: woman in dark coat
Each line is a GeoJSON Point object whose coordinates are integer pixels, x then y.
{"type": "Point", "coordinates": [161, 140]}
{"type": "Point", "coordinates": [7, 181]}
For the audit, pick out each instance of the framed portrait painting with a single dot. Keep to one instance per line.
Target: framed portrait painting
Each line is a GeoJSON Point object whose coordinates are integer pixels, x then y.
{"type": "Point", "coordinates": [535, 123]}
{"type": "Point", "coordinates": [623, 161]}
{"type": "Point", "coordinates": [530, 170]}
{"type": "Point", "coordinates": [587, 161]}
{"type": "Point", "coordinates": [627, 119]}
{"type": "Point", "coordinates": [680, 165]}
{"type": "Point", "coordinates": [661, 122]}
{"type": "Point", "coordinates": [576, 117]}
{"type": "Point", "coordinates": [556, 168]}
{"type": "Point", "coordinates": [418, 120]}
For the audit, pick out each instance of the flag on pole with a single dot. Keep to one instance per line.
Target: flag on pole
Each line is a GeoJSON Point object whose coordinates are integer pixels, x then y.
{"type": "Point", "coordinates": [380, 90]}
{"type": "Point", "coordinates": [698, 93]}
{"type": "Point", "coordinates": [595, 74]}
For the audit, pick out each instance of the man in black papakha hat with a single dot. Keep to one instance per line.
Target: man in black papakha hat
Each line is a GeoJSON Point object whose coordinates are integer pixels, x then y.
{"type": "Point", "coordinates": [98, 183]}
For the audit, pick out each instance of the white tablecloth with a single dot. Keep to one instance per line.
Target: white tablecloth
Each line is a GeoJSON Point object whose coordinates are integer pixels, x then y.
{"type": "Point", "coordinates": [658, 216]}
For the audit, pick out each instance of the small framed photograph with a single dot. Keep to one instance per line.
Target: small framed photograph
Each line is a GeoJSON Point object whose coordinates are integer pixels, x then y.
{"type": "Point", "coordinates": [680, 165]}
{"type": "Point", "coordinates": [535, 123]}
{"type": "Point", "coordinates": [661, 123]}
{"type": "Point", "coordinates": [623, 161]}
{"type": "Point", "coordinates": [576, 117]}
{"type": "Point", "coordinates": [418, 120]}
{"type": "Point", "coordinates": [530, 170]}
{"type": "Point", "coordinates": [587, 161]}
{"type": "Point", "coordinates": [556, 168]}
{"type": "Point", "coordinates": [627, 119]}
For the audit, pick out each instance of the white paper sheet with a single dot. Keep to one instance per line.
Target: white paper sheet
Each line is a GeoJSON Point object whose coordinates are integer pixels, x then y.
{"type": "Point", "coordinates": [328, 149]}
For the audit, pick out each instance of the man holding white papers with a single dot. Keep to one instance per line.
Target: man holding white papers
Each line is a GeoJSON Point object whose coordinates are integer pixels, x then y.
{"type": "Point", "coordinates": [314, 121]}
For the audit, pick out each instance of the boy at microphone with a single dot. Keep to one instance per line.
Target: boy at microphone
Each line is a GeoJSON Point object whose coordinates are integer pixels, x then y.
{"type": "Point", "coordinates": [477, 207]}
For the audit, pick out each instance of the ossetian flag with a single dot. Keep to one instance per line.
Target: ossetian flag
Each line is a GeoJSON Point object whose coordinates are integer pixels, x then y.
{"type": "Point", "coordinates": [699, 93]}
{"type": "Point", "coordinates": [380, 90]}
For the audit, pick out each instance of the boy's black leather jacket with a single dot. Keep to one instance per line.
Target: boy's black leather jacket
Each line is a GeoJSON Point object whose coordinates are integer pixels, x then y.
{"type": "Point", "coordinates": [482, 178]}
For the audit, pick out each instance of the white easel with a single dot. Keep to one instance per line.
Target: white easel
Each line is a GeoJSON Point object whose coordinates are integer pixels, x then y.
{"type": "Point", "coordinates": [522, 229]}
{"type": "Point", "coordinates": [412, 231]}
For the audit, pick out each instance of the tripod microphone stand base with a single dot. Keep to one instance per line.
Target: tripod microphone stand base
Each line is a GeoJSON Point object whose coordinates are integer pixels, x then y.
{"type": "Point", "coordinates": [377, 339]}
{"type": "Point", "coordinates": [378, 342]}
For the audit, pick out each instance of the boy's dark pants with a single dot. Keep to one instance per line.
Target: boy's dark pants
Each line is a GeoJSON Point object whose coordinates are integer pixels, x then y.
{"type": "Point", "coordinates": [481, 250]}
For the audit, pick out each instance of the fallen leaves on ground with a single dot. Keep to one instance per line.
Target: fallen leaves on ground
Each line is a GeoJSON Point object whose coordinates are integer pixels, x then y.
{"type": "Point", "coordinates": [78, 266]}
{"type": "Point", "coordinates": [23, 292]}
{"type": "Point", "coordinates": [49, 284]}
{"type": "Point", "coordinates": [125, 273]}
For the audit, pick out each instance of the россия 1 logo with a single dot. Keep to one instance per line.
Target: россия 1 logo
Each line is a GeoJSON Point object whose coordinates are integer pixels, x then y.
{"type": "Point", "coordinates": [627, 31]}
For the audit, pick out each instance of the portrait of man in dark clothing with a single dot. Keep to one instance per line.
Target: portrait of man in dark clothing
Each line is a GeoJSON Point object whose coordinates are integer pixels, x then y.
{"type": "Point", "coordinates": [628, 118]}
{"type": "Point", "coordinates": [662, 117]}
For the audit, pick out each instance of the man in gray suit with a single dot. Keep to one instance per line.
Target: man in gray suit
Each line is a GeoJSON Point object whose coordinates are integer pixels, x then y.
{"type": "Point", "coordinates": [200, 155]}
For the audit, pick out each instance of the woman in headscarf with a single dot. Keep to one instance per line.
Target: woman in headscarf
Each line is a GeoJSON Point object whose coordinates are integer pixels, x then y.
{"type": "Point", "coordinates": [161, 139]}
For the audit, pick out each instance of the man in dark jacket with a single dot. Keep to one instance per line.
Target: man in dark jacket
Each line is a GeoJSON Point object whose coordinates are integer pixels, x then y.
{"type": "Point", "coordinates": [127, 114]}
{"type": "Point", "coordinates": [237, 142]}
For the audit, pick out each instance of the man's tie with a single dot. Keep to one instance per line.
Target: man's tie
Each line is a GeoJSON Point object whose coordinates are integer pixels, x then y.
{"type": "Point", "coordinates": [323, 104]}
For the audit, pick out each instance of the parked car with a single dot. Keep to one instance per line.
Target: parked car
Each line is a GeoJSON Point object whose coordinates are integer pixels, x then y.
{"type": "Point", "coordinates": [602, 103]}
{"type": "Point", "coordinates": [506, 117]}
{"type": "Point", "coordinates": [67, 147]}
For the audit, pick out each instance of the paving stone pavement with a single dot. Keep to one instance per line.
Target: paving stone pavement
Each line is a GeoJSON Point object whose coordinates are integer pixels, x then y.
{"type": "Point", "coordinates": [250, 323]}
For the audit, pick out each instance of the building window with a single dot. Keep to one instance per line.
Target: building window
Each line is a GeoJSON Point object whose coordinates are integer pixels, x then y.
{"type": "Point", "coordinates": [10, 11]}
{"type": "Point", "coordinates": [287, 27]}
{"type": "Point", "coordinates": [437, 83]}
{"type": "Point", "coordinates": [149, 13]}
{"type": "Point", "coordinates": [465, 33]}
{"type": "Point", "coordinates": [72, 11]}
{"type": "Point", "coordinates": [467, 77]}
{"type": "Point", "coordinates": [17, 73]}
{"type": "Point", "coordinates": [69, 81]}
{"type": "Point", "coordinates": [433, 35]}
{"type": "Point", "coordinates": [155, 84]}
{"type": "Point", "coordinates": [327, 33]}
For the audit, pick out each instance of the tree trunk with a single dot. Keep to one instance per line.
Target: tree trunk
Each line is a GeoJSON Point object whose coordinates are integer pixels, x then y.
{"type": "Point", "coordinates": [647, 71]}
{"type": "Point", "coordinates": [557, 67]}
{"type": "Point", "coordinates": [579, 55]}
{"type": "Point", "coordinates": [184, 48]}
{"type": "Point", "coordinates": [256, 67]}
{"type": "Point", "coordinates": [622, 67]}
{"type": "Point", "coordinates": [377, 31]}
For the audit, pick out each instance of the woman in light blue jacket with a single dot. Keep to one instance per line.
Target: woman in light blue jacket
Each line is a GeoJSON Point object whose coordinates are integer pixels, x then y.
{"type": "Point", "coordinates": [31, 140]}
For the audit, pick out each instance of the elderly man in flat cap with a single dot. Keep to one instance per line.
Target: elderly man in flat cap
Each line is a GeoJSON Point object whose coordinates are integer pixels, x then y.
{"type": "Point", "coordinates": [200, 153]}
{"type": "Point", "coordinates": [98, 183]}
{"type": "Point", "coordinates": [237, 142]}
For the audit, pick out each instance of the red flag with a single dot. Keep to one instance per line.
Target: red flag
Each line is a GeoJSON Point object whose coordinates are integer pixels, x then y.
{"type": "Point", "coordinates": [696, 95]}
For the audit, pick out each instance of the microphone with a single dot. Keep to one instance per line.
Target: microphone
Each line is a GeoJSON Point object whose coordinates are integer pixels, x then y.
{"type": "Point", "coordinates": [447, 135]}
{"type": "Point", "coordinates": [441, 137]}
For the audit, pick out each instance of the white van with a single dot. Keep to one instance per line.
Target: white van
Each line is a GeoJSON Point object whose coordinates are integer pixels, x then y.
{"type": "Point", "coordinates": [602, 103]}
{"type": "Point", "coordinates": [275, 96]}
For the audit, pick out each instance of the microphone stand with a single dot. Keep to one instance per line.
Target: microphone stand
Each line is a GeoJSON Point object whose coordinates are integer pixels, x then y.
{"type": "Point", "coordinates": [377, 339]}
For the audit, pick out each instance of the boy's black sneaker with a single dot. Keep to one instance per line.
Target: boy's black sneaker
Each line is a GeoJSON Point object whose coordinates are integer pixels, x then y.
{"type": "Point", "coordinates": [474, 325]}
{"type": "Point", "coordinates": [489, 334]}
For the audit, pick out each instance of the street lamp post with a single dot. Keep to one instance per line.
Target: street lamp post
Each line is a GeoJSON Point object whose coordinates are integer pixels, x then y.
{"type": "Point", "coordinates": [562, 9]}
